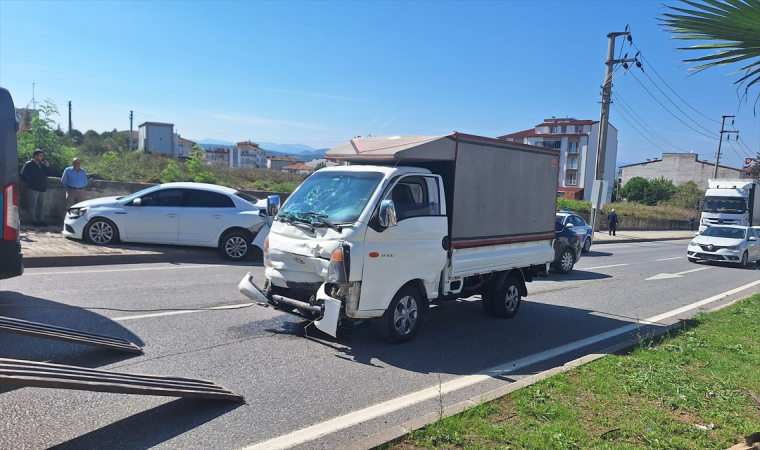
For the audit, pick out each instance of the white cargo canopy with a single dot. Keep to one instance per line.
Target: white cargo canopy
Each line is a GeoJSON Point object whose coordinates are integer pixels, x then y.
{"type": "Point", "coordinates": [420, 148]}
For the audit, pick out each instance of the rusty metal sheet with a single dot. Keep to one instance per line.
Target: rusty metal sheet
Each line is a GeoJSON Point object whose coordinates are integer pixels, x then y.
{"type": "Point", "coordinates": [14, 372]}
{"type": "Point", "coordinates": [24, 327]}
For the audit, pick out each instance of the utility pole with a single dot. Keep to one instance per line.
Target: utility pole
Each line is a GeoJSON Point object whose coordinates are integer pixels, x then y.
{"type": "Point", "coordinates": [720, 141]}
{"type": "Point", "coordinates": [69, 118]}
{"type": "Point", "coordinates": [130, 132]}
{"type": "Point", "coordinates": [601, 146]}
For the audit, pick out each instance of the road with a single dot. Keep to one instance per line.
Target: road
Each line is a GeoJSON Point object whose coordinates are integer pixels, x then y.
{"type": "Point", "coordinates": [335, 391]}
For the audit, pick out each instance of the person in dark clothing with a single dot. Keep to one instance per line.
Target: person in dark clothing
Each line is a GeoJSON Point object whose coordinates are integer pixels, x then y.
{"type": "Point", "coordinates": [691, 222]}
{"type": "Point", "coordinates": [34, 173]}
{"type": "Point", "coordinates": [612, 221]}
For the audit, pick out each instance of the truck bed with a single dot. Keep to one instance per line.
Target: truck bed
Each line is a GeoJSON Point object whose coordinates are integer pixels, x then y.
{"type": "Point", "coordinates": [466, 262]}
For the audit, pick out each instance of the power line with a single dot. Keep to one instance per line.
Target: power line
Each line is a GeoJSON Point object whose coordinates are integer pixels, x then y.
{"type": "Point", "coordinates": [617, 108]}
{"type": "Point", "coordinates": [644, 124]}
{"type": "Point", "coordinates": [669, 111]}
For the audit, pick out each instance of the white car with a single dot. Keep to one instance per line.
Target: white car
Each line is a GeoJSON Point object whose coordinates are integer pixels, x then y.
{"type": "Point", "coordinates": [728, 243]}
{"type": "Point", "coordinates": [197, 214]}
{"type": "Point", "coordinates": [581, 228]}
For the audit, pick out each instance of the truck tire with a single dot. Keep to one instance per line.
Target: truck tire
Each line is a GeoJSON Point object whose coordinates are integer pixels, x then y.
{"type": "Point", "coordinates": [506, 301]}
{"type": "Point", "coordinates": [401, 320]}
{"type": "Point", "coordinates": [487, 298]}
{"type": "Point", "coordinates": [565, 262]}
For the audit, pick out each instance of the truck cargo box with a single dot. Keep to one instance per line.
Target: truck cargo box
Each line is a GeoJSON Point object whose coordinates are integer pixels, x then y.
{"type": "Point", "coordinates": [497, 192]}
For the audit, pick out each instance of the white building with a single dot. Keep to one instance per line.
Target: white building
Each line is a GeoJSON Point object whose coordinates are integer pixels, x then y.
{"type": "Point", "coordinates": [680, 168]}
{"type": "Point", "coordinates": [156, 137]}
{"type": "Point", "coordinates": [249, 155]}
{"type": "Point", "coordinates": [577, 142]}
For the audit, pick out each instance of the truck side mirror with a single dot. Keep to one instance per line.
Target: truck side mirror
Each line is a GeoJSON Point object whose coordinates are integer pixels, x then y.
{"type": "Point", "coordinates": [387, 214]}
{"type": "Point", "coordinates": [273, 205]}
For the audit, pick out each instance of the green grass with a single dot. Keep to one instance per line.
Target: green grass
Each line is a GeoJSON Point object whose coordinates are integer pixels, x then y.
{"type": "Point", "coordinates": [653, 397]}
{"type": "Point", "coordinates": [630, 209]}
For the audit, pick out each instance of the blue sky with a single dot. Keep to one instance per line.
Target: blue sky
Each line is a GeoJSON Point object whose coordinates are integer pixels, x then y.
{"type": "Point", "coordinates": [320, 73]}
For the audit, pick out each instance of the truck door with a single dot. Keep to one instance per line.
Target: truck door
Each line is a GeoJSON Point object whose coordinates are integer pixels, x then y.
{"type": "Point", "coordinates": [410, 250]}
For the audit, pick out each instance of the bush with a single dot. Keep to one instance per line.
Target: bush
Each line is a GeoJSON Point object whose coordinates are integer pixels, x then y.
{"type": "Point", "coordinates": [658, 190]}
{"type": "Point", "coordinates": [634, 189]}
{"type": "Point", "coordinates": [577, 206]}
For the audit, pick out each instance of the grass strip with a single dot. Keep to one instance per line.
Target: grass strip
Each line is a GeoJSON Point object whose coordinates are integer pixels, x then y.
{"type": "Point", "coordinates": [694, 388]}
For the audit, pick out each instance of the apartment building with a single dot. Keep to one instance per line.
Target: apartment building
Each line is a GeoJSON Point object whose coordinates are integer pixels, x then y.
{"type": "Point", "coordinates": [577, 142]}
{"type": "Point", "coordinates": [249, 155]}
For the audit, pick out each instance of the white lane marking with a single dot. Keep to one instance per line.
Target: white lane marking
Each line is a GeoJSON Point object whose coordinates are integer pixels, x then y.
{"type": "Point", "coordinates": [341, 422]}
{"type": "Point", "coordinates": [668, 259]}
{"type": "Point", "coordinates": [664, 276]}
{"type": "Point", "coordinates": [189, 266]}
{"type": "Point", "coordinates": [601, 267]}
{"type": "Point", "coordinates": [187, 311]}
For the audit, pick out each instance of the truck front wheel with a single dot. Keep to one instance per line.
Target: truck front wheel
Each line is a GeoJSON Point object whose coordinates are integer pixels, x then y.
{"type": "Point", "coordinates": [506, 301]}
{"type": "Point", "coordinates": [401, 320]}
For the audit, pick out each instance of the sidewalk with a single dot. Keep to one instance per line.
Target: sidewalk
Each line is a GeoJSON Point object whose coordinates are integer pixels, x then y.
{"type": "Point", "coordinates": [46, 247]}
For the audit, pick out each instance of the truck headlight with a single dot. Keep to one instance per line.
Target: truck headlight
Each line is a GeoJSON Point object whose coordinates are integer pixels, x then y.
{"type": "Point", "coordinates": [78, 212]}
{"type": "Point", "coordinates": [267, 258]}
{"type": "Point", "coordinates": [340, 263]}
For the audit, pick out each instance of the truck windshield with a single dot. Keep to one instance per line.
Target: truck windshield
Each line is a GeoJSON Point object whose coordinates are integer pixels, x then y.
{"type": "Point", "coordinates": [723, 205]}
{"type": "Point", "coordinates": [339, 197]}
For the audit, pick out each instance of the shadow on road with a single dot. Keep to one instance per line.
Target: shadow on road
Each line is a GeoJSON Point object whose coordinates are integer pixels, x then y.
{"type": "Point", "coordinates": [152, 427]}
{"type": "Point", "coordinates": [595, 254]}
{"type": "Point", "coordinates": [576, 275]}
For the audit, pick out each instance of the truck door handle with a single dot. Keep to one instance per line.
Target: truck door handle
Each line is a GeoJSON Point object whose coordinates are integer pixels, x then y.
{"type": "Point", "coordinates": [217, 216]}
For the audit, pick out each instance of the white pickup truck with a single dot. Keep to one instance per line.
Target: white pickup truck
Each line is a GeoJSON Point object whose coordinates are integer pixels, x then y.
{"type": "Point", "coordinates": [410, 220]}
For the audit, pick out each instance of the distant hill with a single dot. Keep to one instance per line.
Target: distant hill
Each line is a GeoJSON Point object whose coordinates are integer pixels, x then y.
{"type": "Point", "coordinates": [305, 152]}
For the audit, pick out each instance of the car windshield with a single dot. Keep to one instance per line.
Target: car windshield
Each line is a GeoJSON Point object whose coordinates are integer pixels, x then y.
{"type": "Point", "coordinates": [723, 205]}
{"type": "Point", "coordinates": [725, 232]}
{"type": "Point", "coordinates": [139, 193]}
{"type": "Point", "coordinates": [339, 197]}
{"type": "Point", "coordinates": [249, 198]}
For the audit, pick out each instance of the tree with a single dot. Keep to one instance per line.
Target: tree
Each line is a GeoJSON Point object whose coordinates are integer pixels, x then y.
{"type": "Point", "coordinates": [320, 165]}
{"type": "Point", "coordinates": [634, 189]}
{"type": "Point", "coordinates": [40, 134]}
{"type": "Point", "coordinates": [686, 196]}
{"type": "Point", "coordinates": [658, 190]}
{"type": "Point", "coordinates": [734, 28]}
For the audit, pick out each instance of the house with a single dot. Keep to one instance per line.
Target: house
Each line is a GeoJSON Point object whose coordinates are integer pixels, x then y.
{"type": "Point", "coordinates": [681, 168]}
{"type": "Point", "coordinates": [249, 155]}
{"type": "Point", "coordinates": [298, 168]}
{"type": "Point", "coordinates": [184, 146]}
{"type": "Point", "coordinates": [157, 137]}
{"type": "Point", "coordinates": [315, 162]}
{"type": "Point", "coordinates": [577, 142]}
{"type": "Point", "coordinates": [278, 162]}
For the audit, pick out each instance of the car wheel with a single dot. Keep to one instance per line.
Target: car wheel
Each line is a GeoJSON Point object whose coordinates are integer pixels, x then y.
{"type": "Point", "coordinates": [487, 298]}
{"type": "Point", "coordinates": [101, 231]}
{"type": "Point", "coordinates": [565, 262]}
{"type": "Point", "coordinates": [235, 246]}
{"type": "Point", "coordinates": [744, 260]}
{"type": "Point", "coordinates": [401, 320]}
{"type": "Point", "coordinates": [691, 259]}
{"type": "Point", "coordinates": [586, 245]}
{"type": "Point", "coordinates": [507, 300]}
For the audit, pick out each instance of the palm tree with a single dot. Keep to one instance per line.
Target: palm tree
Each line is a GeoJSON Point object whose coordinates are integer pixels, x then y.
{"type": "Point", "coordinates": [733, 25]}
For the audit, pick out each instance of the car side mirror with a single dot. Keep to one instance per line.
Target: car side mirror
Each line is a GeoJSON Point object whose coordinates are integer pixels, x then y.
{"type": "Point", "coordinates": [569, 225]}
{"type": "Point", "coordinates": [752, 238]}
{"type": "Point", "coordinates": [696, 234]}
{"type": "Point", "coordinates": [137, 202]}
{"type": "Point", "coordinates": [387, 214]}
{"type": "Point", "coordinates": [273, 205]}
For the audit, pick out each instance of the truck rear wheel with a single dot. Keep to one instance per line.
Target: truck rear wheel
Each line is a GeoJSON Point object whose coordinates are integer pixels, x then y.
{"type": "Point", "coordinates": [506, 301]}
{"type": "Point", "coordinates": [487, 298]}
{"type": "Point", "coordinates": [401, 320]}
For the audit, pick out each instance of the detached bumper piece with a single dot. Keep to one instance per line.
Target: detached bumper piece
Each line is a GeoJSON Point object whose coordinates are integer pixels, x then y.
{"type": "Point", "coordinates": [15, 372]}
{"type": "Point", "coordinates": [18, 326]}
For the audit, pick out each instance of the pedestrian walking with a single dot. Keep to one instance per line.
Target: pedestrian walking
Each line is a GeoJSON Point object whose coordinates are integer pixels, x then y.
{"type": "Point", "coordinates": [74, 180]}
{"type": "Point", "coordinates": [691, 222]}
{"type": "Point", "coordinates": [612, 221]}
{"type": "Point", "coordinates": [34, 174]}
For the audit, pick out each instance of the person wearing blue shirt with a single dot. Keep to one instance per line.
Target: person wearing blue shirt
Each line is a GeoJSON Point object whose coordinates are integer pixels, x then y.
{"type": "Point", "coordinates": [74, 180]}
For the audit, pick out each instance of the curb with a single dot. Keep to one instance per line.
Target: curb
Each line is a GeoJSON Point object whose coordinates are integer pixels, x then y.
{"type": "Point", "coordinates": [640, 240]}
{"type": "Point", "coordinates": [108, 259]}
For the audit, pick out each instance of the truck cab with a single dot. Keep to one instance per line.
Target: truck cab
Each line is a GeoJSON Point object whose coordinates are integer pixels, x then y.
{"type": "Point", "coordinates": [11, 264]}
{"type": "Point", "coordinates": [730, 202]}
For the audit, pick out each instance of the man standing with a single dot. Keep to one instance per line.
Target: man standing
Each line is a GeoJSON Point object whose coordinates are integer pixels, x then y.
{"type": "Point", "coordinates": [612, 221]}
{"type": "Point", "coordinates": [74, 180]}
{"type": "Point", "coordinates": [691, 222]}
{"type": "Point", "coordinates": [35, 173]}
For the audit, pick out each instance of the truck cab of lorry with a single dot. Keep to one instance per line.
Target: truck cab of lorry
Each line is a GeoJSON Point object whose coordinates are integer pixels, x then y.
{"type": "Point", "coordinates": [381, 240]}
{"type": "Point", "coordinates": [730, 202]}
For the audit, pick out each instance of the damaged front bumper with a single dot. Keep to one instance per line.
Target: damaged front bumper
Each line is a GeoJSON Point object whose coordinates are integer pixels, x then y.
{"type": "Point", "coordinates": [327, 308]}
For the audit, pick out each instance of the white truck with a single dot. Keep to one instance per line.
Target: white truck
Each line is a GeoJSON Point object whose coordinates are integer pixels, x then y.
{"type": "Point", "coordinates": [730, 202]}
{"type": "Point", "coordinates": [411, 219]}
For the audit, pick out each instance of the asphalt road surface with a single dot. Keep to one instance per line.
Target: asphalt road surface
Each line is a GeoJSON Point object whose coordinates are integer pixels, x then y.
{"type": "Point", "coordinates": [304, 389]}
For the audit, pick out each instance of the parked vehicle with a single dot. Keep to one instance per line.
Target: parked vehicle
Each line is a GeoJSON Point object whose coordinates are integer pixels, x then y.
{"type": "Point", "coordinates": [11, 260]}
{"type": "Point", "coordinates": [199, 214]}
{"type": "Point", "coordinates": [730, 202]}
{"type": "Point", "coordinates": [421, 218]}
{"type": "Point", "coordinates": [581, 228]}
{"type": "Point", "coordinates": [727, 243]}
{"type": "Point", "coordinates": [567, 247]}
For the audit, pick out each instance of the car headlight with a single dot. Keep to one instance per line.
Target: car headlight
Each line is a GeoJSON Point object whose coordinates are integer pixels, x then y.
{"type": "Point", "coordinates": [693, 243]}
{"type": "Point", "coordinates": [78, 212]}
{"type": "Point", "coordinates": [733, 247]}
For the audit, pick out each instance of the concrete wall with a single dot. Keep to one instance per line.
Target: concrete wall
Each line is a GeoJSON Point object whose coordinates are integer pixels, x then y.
{"type": "Point", "coordinates": [55, 196]}
{"type": "Point", "coordinates": [641, 224]}
{"type": "Point", "coordinates": [679, 167]}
